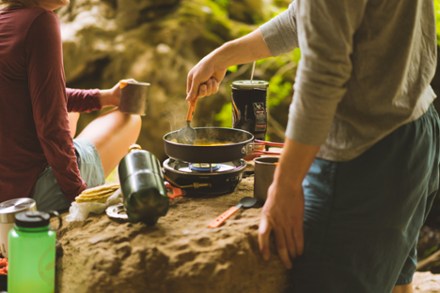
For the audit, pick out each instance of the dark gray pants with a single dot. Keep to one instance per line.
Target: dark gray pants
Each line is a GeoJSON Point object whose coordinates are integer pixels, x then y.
{"type": "Point", "coordinates": [363, 217]}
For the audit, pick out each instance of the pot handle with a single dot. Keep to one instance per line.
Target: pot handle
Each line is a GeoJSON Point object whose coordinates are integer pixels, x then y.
{"type": "Point", "coordinates": [257, 148]}
{"type": "Point", "coordinates": [269, 143]}
{"type": "Point", "coordinates": [247, 149]}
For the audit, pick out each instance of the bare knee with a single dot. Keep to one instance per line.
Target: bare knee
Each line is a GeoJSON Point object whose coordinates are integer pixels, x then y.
{"type": "Point", "coordinates": [403, 288]}
{"type": "Point", "coordinates": [130, 125]}
{"type": "Point", "coordinates": [112, 134]}
{"type": "Point", "coordinates": [134, 122]}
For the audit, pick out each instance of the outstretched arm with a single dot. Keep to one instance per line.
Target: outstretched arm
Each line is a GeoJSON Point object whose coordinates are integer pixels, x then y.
{"type": "Point", "coordinates": [275, 37]}
{"type": "Point", "coordinates": [79, 100]}
{"type": "Point", "coordinates": [205, 77]}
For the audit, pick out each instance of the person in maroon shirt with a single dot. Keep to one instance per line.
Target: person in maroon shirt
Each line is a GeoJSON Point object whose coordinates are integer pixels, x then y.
{"type": "Point", "coordinates": [38, 156]}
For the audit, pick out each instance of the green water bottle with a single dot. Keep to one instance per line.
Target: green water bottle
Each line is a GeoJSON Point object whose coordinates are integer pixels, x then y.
{"type": "Point", "coordinates": [31, 254]}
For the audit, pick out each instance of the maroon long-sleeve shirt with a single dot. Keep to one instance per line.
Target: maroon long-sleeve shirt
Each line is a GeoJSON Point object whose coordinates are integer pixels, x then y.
{"type": "Point", "coordinates": [34, 102]}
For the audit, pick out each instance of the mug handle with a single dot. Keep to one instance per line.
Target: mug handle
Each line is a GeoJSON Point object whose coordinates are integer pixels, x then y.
{"type": "Point", "coordinates": [60, 219]}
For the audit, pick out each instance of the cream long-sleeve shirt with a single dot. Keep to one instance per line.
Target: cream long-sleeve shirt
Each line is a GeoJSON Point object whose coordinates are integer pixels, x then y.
{"type": "Point", "coordinates": [365, 69]}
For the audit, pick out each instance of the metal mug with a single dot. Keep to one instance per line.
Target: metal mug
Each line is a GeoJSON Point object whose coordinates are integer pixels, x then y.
{"type": "Point", "coordinates": [8, 210]}
{"type": "Point", "coordinates": [264, 171]}
{"type": "Point", "coordinates": [133, 97]}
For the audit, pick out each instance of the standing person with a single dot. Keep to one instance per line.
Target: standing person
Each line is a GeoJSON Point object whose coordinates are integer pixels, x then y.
{"type": "Point", "coordinates": [38, 156]}
{"type": "Point", "coordinates": [360, 166]}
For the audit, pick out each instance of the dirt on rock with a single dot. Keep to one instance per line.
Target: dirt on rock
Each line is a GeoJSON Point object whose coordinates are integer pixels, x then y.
{"type": "Point", "coordinates": [179, 254]}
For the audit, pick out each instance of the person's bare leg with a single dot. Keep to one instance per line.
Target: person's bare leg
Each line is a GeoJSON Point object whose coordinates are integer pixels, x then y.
{"type": "Point", "coordinates": [112, 134]}
{"type": "Point", "coordinates": [73, 123]}
{"type": "Point", "coordinates": [403, 288]}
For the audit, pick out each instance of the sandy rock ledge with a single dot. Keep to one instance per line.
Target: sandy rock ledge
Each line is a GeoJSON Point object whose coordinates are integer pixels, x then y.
{"type": "Point", "coordinates": [179, 254]}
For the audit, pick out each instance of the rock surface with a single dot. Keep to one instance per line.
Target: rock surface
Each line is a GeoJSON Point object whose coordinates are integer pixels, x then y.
{"type": "Point", "coordinates": [426, 282]}
{"type": "Point", "coordinates": [179, 254]}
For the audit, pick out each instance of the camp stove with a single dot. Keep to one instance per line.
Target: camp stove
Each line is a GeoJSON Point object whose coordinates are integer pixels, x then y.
{"type": "Point", "coordinates": [204, 179]}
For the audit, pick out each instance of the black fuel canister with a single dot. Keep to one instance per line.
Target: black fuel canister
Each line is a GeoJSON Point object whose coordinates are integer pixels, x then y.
{"type": "Point", "coordinates": [249, 106]}
{"type": "Point", "coordinates": [143, 187]}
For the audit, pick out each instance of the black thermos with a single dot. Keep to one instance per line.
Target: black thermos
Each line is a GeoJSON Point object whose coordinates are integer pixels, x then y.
{"type": "Point", "coordinates": [249, 106]}
{"type": "Point", "coordinates": [142, 185]}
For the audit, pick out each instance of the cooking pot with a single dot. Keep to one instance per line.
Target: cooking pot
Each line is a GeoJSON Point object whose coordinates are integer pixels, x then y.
{"type": "Point", "coordinates": [212, 145]}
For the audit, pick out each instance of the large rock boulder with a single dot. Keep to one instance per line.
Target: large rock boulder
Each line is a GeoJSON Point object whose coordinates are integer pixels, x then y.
{"type": "Point", "coordinates": [180, 254]}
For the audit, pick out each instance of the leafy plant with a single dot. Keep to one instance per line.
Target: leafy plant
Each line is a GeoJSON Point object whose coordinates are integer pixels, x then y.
{"type": "Point", "coordinates": [222, 3]}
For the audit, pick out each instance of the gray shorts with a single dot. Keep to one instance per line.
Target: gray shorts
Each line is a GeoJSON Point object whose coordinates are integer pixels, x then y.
{"type": "Point", "coordinates": [47, 192]}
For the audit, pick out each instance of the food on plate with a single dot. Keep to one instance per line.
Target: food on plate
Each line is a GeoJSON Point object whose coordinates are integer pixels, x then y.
{"type": "Point", "coordinates": [97, 194]}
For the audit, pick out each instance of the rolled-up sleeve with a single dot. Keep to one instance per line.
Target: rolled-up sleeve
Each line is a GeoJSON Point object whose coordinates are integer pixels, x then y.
{"type": "Point", "coordinates": [326, 29]}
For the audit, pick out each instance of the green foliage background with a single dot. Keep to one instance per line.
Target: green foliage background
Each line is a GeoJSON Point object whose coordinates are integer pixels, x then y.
{"type": "Point", "coordinates": [437, 17]}
{"type": "Point", "coordinates": [279, 71]}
